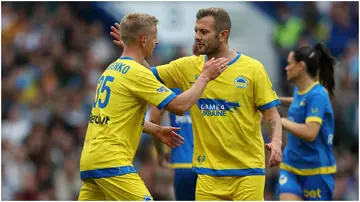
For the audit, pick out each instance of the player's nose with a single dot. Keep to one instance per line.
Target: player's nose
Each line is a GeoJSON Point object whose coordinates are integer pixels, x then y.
{"type": "Point", "coordinates": [197, 37]}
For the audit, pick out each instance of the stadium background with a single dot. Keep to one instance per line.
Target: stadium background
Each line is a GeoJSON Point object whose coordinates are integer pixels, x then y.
{"type": "Point", "coordinates": [53, 54]}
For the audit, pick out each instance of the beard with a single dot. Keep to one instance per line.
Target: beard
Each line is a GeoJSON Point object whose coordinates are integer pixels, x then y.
{"type": "Point", "coordinates": [210, 47]}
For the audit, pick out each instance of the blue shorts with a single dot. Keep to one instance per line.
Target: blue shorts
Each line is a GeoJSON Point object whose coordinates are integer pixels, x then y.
{"type": "Point", "coordinates": [184, 184]}
{"type": "Point", "coordinates": [309, 188]}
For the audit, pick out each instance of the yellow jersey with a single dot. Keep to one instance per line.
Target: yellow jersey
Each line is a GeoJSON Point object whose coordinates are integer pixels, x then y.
{"type": "Point", "coordinates": [116, 121]}
{"type": "Point", "coordinates": [226, 119]}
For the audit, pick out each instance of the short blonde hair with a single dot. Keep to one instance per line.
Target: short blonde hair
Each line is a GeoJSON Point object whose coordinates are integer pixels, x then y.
{"type": "Point", "coordinates": [135, 24]}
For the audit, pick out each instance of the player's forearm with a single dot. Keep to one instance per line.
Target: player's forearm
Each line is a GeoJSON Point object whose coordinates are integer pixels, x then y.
{"type": "Point", "coordinates": [151, 128]}
{"type": "Point", "coordinates": [187, 99]}
{"type": "Point", "coordinates": [272, 121]}
{"type": "Point", "coordinates": [300, 130]}
{"type": "Point", "coordinates": [155, 117]}
{"type": "Point", "coordinates": [158, 146]}
{"type": "Point", "coordinates": [286, 101]}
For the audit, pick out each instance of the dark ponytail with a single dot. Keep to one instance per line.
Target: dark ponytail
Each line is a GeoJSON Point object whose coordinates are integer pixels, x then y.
{"type": "Point", "coordinates": [326, 65]}
{"type": "Point", "coordinates": [318, 60]}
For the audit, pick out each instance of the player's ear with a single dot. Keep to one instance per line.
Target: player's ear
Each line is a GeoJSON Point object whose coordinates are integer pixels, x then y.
{"type": "Point", "coordinates": [143, 40]}
{"type": "Point", "coordinates": [302, 65]}
{"type": "Point", "coordinates": [223, 35]}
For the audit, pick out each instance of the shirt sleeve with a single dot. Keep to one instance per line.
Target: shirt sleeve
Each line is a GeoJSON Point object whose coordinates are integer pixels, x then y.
{"type": "Point", "coordinates": [265, 95]}
{"type": "Point", "coordinates": [171, 74]}
{"type": "Point", "coordinates": [151, 90]}
{"type": "Point", "coordinates": [315, 108]}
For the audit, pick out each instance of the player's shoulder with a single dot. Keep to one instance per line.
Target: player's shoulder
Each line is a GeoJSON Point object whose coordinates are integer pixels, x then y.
{"type": "Point", "coordinates": [129, 62]}
{"type": "Point", "coordinates": [129, 68]}
{"type": "Point", "coordinates": [295, 91]}
{"type": "Point", "coordinates": [318, 91]}
{"type": "Point", "coordinates": [191, 59]}
{"type": "Point", "coordinates": [250, 61]}
{"type": "Point", "coordinates": [135, 65]}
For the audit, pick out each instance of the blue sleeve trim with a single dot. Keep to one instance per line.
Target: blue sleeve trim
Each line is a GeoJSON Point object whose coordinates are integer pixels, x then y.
{"type": "Point", "coordinates": [107, 172]}
{"type": "Point", "coordinates": [269, 105]}
{"type": "Point", "coordinates": [177, 91]}
{"type": "Point", "coordinates": [156, 73]}
{"type": "Point", "coordinates": [166, 101]}
{"type": "Point", "coordinates": [230, 172]}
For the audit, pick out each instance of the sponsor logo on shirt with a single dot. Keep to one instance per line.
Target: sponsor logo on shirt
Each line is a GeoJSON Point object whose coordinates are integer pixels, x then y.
{"type": "Point", "coordinates": [201, 158]}
{"type": "Point", "coordinates": [98, 119]}
{"type": "Point", "coordinates": [162, 89]}
{"type": "Point", "coordinates": [183, 119]}
{"type": "Point", "coordinates": [216, 107]}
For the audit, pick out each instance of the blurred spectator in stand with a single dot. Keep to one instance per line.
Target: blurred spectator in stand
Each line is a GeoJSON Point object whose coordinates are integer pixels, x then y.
{"type": "Point", "coordinates": [343, 28]}
{"type": "Point", "coordinates": [287, 31]}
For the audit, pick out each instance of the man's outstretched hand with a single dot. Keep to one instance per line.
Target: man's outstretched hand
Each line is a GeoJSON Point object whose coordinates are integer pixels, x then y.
{"type": "Point", "coordinates": [115, 33]}
{"type": "Point", "coordinates": [168, 136]}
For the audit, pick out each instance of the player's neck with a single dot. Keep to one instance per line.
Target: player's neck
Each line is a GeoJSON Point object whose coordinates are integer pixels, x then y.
{"type": "Point", "coordinates": [304, 83]}
{"type": "Point", "coordinates": [223, 51]}
{"type": "Point", "coordinates": [133, 53]}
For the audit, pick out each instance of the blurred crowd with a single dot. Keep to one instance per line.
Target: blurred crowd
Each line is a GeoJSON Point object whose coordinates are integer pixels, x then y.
{"type": "Point", "coordinates": [52, 57]}
{"type": "Point", "coordinates": [51, 61]}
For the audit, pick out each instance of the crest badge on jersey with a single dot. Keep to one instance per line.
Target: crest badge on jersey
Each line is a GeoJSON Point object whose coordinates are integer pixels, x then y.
{"type": "Point", "coordinates": [201, 159]}
{"type": "Point", "coordinates": [283, 179]}
{"type": "Point", "coordinates": [302, 103]}
{"type": "Point", "coordinates": [241, 82]}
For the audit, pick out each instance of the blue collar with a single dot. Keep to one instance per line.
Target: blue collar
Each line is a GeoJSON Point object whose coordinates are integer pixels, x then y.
{"type": "Point", "coordinates": [126, 58]}
{"type": "Point", "coordinates": [233, 61]}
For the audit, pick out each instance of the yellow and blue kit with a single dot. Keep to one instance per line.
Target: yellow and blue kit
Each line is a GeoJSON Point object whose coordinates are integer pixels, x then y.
{"type": "Point", "coordinates": [115, 126]}
{"type": "Point", "coordinates": [226, 125]}
{"type": "Point", "coordinates": [308, 167]}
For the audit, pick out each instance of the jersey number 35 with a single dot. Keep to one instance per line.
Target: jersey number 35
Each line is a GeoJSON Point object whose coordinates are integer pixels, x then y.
{"type": "Point", "coordinates": [103, 88]}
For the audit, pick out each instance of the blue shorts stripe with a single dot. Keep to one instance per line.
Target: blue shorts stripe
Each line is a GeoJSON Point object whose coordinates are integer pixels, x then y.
{"type": "Point", "coordinates": [107, 172]}
{"type": "Point", "coordinates": [230, 172]}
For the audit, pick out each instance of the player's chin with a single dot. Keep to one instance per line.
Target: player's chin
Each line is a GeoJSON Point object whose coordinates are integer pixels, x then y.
{"type": "Point", "coordinates": [150, 54]}
{"type": "Point", "coordinates": [202, 52]}
{"type": "Point", "coordinates": [289, 78]}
